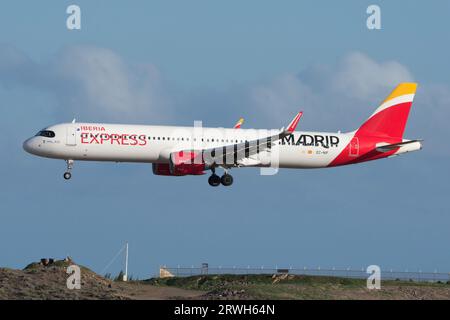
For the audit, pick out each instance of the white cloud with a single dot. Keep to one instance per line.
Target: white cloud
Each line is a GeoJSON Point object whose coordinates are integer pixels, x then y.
{"type": "Point", "coordinates": [360, 77]}
{"type": "Point", "coordinates": [330, 94]}
{"type": "Point", "coordinates": [107, 86]}
{"type": "Point", "coordinates": [282, 94]}
{"type": "Point", "coordinates": [99, 74]}
{"type": "Point", "coordinates": [91, 83]}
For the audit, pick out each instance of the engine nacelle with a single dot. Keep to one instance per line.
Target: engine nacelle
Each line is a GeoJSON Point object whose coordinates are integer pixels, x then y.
{"type": "Point", "coordinates": [181, 163]}
{"type": "Point", "coordinates": [161, 169]}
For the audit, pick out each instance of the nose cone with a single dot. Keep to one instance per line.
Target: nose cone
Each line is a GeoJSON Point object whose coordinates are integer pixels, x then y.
{"type": "Point", "coordinates": [27, 145]}
{"type": "Point", "coordinates": [30, 146]}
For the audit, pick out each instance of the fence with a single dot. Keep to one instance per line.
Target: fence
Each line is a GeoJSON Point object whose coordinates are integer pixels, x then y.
{"type": "Point", "coordinates": [418, 276]}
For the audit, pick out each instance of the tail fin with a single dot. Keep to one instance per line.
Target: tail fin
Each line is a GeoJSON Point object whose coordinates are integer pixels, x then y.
{"type": "Point", "coordinates": [391, 116]}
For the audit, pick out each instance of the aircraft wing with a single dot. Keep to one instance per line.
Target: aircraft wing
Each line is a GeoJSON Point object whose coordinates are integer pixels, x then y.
{"type": "Point", "coordinates": [239, 151]}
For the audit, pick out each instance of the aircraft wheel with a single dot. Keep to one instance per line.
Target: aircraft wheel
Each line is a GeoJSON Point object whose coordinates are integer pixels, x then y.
{"type": "Point", "coordinates": [214, 180]}
{"type": "Point", "coordinates": [67, 175]}
{"type": "Point", "coordinates": [227, 179]}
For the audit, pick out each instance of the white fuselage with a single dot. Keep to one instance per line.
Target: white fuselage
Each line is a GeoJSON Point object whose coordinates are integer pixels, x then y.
{"type": "Point", "coordinates": [153, 144]}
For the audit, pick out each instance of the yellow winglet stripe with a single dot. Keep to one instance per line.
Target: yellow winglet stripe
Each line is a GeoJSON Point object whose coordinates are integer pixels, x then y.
{"type": "Point", "coordinates": [402, 89]}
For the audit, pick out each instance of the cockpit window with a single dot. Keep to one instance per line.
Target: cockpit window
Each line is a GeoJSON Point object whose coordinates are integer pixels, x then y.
{"type": "Point", "coordinates": [46, 133]}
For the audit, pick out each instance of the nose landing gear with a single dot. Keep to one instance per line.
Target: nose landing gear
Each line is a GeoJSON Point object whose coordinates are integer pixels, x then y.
{"type": "Point", "coordinates": [67, 175]}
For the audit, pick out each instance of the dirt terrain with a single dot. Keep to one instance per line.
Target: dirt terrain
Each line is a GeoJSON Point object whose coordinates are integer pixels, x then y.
{"type": "Point", "coordinates": [40, 282]}
{"type": "Point", "coordinates": [37, 281]}
{"type": "Point", "coordinates": [285, 286]}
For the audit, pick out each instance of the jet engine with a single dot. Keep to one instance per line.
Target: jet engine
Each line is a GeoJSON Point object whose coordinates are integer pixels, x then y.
{"type": "Point", "coordinates": [181, 163]}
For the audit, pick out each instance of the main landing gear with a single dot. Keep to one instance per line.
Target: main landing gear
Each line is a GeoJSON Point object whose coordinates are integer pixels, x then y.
{"type": "Point", "coordinates": [226, 179]}
{"type": "Point", "coordinates": [67, 174]}
{"type": "Point", "coordinates": [214, 180]}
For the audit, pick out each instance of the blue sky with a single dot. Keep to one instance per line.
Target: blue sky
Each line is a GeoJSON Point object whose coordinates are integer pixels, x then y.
{"type": "Point", "coordinates": [155, 62]}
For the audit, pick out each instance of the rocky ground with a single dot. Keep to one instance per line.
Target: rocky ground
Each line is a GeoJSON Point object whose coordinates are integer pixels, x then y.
{"type": "Point", "coordinates": [283, 286]}
{"type": "Point", "coordinates": [39, 281]}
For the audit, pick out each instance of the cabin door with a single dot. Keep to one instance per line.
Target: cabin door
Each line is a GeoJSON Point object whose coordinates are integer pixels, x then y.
{"type": "Point", "coordinates": [71, 137]}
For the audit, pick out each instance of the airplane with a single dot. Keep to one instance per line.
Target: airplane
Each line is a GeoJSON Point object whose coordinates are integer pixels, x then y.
{"type": "Point", "coordinates": [181, 151]}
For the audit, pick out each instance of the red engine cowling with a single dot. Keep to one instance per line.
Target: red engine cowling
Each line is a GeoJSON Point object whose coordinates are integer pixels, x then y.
{"type": "Point", "coordinates": [182, 163]}
{"type": "Point", "coordinates": [161, 169]}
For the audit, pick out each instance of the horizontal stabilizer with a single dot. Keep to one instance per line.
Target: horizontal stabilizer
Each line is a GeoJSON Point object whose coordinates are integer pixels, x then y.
{"type": "Point", "coordinates": [390, 147]}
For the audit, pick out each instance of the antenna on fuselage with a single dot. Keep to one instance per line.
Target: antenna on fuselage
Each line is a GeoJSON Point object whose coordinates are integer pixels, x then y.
{"type": "Point", "coordinates": [74, 120]}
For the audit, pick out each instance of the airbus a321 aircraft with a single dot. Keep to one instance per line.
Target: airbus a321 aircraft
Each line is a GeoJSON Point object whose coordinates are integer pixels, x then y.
{"type": "Point", "coordinates": [181, 151]}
